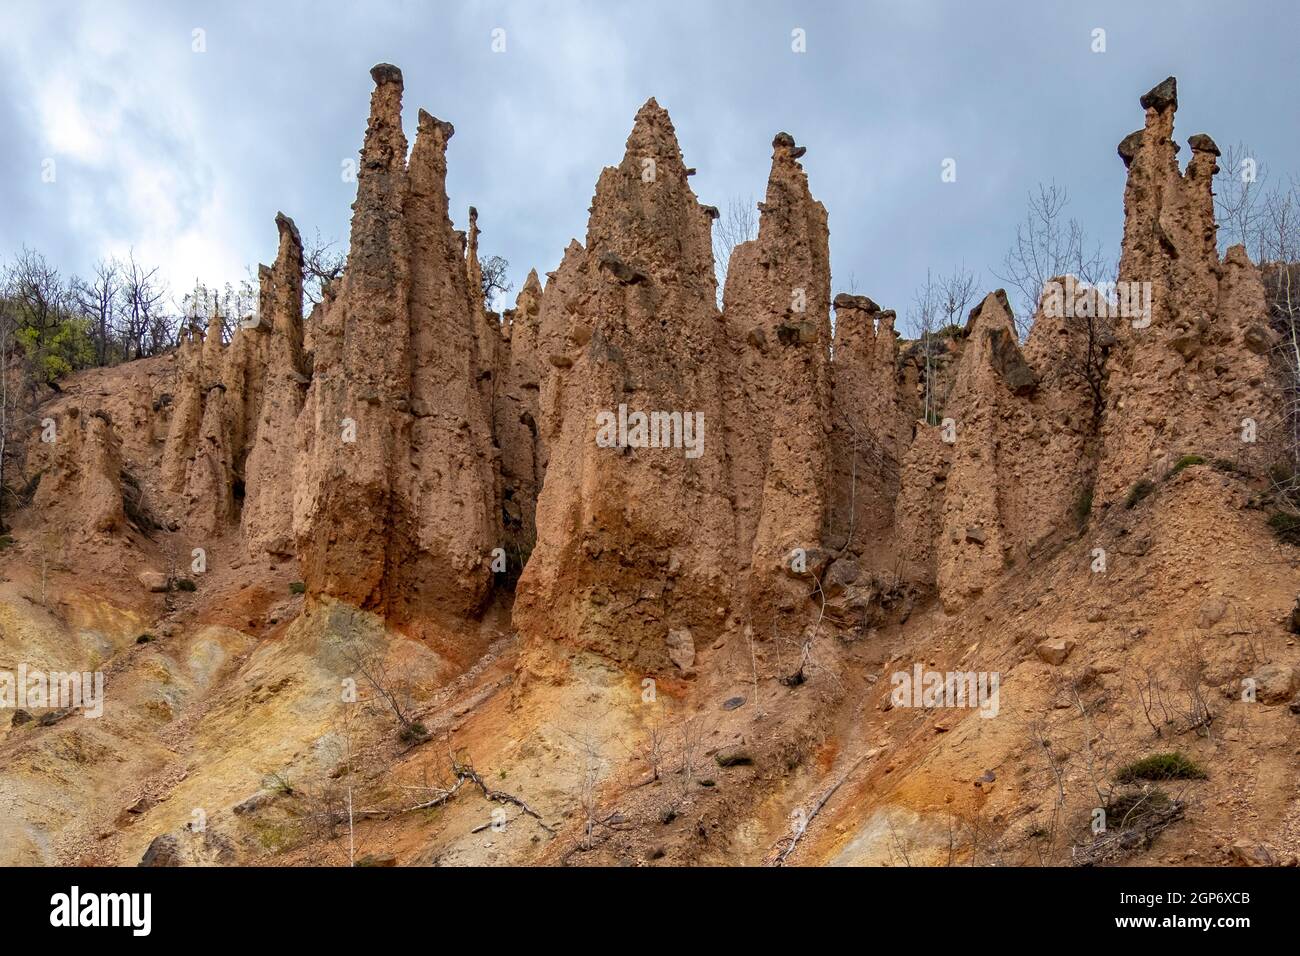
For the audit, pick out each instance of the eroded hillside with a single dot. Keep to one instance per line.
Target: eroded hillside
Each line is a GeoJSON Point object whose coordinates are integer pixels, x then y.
{"type": "Point", "coordinates": [625, 577]}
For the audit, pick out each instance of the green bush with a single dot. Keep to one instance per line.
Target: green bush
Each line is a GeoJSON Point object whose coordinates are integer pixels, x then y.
{"type": "Point", "coordinates": [1165, 766]}
{"type": "Point", "coordinates": [1185, 462]}
{"type": "Point", "coordinates": [185, 584]}
{"type": "Point", "coordinates": [297, 587]}
{"type": "Point", "coordinates": [413, 733]}
{"type": "Point", "coordinates": [1138, 492]}
{"type": "Point", "coordinates": [1286, 526]}
{"type": "Point", "coordinates": [1083, 506]}
{"type": "Point", "coordinates": [57, 350]}
{"type": "Point", "coordinates": [277, 784]}
{"type": "Point", "coordinates": [1132, 808]}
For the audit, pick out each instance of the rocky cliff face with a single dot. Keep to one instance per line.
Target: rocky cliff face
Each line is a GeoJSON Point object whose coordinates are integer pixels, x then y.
{"type": "Point", "coordinates": [872, 428]}
{"type": "Point", "coordinates": [186, 411]}
{"type": "Point", "coordinates": [516, 410]}
{"type": "Point", "coordinates": [448, 520]}
{"type": "Point", "coordinates": [777, 303]}
{"type": "Point", "coordinates": [633, 528]}
{"type": "Point", "coordinates": [487, 327]}
{"type": "Point", "coordinates": [818, 451]}
{"type": "Point", "coordinates": [352, 425]}
{"type": "Point", "coordinates": [394, 474]}
{"type": "Point", "coordinates": [372, 456]}
{"type": "Point", "coordinates": [663, 472]}
{"type": "Point", "coordinates": [1015, 433]}
{"type": "Point", "coordinates": [80, 487]}
{"type": "Point", "coordinates": [1190, 366]}
{"type": "Point", "coordinates": [267, 518]}
{"type": "Point", "coordinates": [753, 508]}
{"type": "Point", "coordinates": [564, 293]}
{"type": "Point", "coordinates": [207, 495]}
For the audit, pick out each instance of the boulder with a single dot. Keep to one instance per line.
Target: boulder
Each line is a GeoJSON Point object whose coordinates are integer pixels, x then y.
{"type": "Point", "coordinates": [1275, 683]}
{"type": "Point", "coordinates": [839, 576]}
{"type": "Point", "coordinates": [1162, 96]}
{"type": "Point", "coordinates": [165, 850]}
{"type": "Point", "coordinates": [155, 581]}
{"type": "Point", "coordinates": [681, 649]}
{"type": "Point", "coordinates": [1250, 853]}
{"type": "Point", "coordinates": [1055, 651]}
{"type": "Point", "coordinates": [1212, 611]}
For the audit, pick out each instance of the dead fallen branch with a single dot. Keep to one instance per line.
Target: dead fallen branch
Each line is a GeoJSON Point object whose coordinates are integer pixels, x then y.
{"type": "Point", "coordinates": [778, 858]}
{"type": "Point", "coordinates": [1132, 836]}
{"type": "Point", "coordinates": [465, 771]}
{"type": "Point", "coordinates": [442, 797]}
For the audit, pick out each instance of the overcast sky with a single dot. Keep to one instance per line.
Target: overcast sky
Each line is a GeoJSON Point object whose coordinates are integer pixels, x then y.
{"type": "Point", "coordinates": [186, 156]}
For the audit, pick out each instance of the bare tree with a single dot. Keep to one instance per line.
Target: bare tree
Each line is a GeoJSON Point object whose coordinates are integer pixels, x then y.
{"type": "Point", "coordinates": [322, 264]}
{"type": "Point", "coordinates": [924, 310]}
{"type": "Point", "coordinates": [1279, 254]}
{"type": "Point", "coordinates": [32, 305]}
{"type": "Point", "coordinates": [9, 392]}
{"type": "Point", "coordinates": [690, 731]}
{"type": "Point", "coordinates": [1240, 200]}
{"type": "Point", "coordinates": [233, 303]}
{"type": "Point", "coordinates": [1283, 285]}
{"type": "Point", "coordinates": [393, 692]}
{"type": "Point", "coordinates": [1151, 698]}
{"type": "Point", "coordinates": [97, 299]}
{"type": "Point", "coordinates": [1190, 665]}
{"type": "Point", "coordinates": [1279, 224]}
{"type": "Point", "coordinates": [589, 775]}
{"type": "Point", "coordinates": [38, 290]}
{"type": "Point", "coordinates": [936, 309]}
{"type": "Point", "coordinates": [43, 305]}
{"type": "Point", "coordinates": [1047, 245]}
{"type": "Point", "coordinates": [496, 282]}
{"type": "Point", "coordinates": [346, 729]}
{"type": "Point", "coordinates": [956, 293]}
{"type": "Point", "coordinates": [140, 311]}
{"type": "Point", "coordinates": [652, 748]}
{"type": "Point", "coordinates": [738, 224]}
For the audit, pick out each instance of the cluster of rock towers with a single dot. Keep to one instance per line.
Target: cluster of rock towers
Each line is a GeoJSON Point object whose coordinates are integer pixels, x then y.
{"type": "Point", "coordinates": [424, 445]}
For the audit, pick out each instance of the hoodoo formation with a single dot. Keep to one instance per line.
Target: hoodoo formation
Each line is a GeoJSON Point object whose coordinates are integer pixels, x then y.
{"type": "Point", "coordinates": [1193, 370]}
{"type": "Point", "coordinates": [777, 309]}
{"type": "Point", "coordinates": [267, 520]}
{"type": "Point", "coordinates": [632, 542]}
{"type": "Point", "coordinates": [394, 479]}
{"type": "Point", "coordinates": [791, 503]}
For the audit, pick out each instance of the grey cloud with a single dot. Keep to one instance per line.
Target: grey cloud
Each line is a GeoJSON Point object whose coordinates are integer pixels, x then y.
{"type": "Point", "coordinates": [264, 118]}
